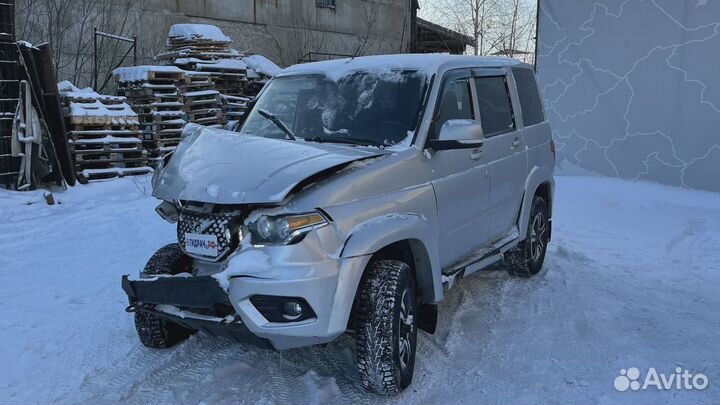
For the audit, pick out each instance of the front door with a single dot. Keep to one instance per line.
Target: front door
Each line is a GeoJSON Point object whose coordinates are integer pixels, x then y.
{"type": "Point", "coordinates": [459, 176]}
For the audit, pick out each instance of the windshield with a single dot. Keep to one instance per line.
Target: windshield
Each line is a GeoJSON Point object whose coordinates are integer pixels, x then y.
{"type": "Point", "coordinates": [364, 108]}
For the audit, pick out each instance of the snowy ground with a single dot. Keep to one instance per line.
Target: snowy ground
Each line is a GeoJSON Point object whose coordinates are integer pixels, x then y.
{"type": "Point", "coordinates": [631, 280]}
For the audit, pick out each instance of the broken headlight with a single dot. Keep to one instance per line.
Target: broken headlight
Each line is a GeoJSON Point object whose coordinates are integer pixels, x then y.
{"type": "Point", "coordinates": [284, 229]}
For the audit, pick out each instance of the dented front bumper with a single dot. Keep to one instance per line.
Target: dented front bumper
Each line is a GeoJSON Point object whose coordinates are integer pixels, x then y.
{"type": "Point", "coordinates": [245, 311]}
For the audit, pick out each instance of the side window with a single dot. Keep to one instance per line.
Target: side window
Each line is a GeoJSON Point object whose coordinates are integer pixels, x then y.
{"type": "Point", "coordinates": [496, 112]}
{"type": "Point", "coordinates": [455, 104]}
{"type": "Point", "coordinates": [532, 109]}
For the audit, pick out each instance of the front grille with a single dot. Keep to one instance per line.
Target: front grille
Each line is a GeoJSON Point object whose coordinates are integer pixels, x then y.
{"type": "Point", "coordinates": [224, 226]}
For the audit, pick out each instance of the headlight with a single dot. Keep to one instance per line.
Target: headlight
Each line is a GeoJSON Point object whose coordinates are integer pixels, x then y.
{"type": "Point", "coordinates": [284, 229]}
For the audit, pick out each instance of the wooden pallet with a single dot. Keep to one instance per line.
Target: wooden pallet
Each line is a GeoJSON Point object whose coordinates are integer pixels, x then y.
{"type": "Point", "coordinates": [204, 115]}
{"type": "Point", "coordinates": [107, 144]}
{"type": "Point", "coordinates": [120, 132]}
{"type": "Point", "coordinates": [90, 120]}
{"type": "Point", "coordinates": [96, 130]}
{"type": "Point", "coordinates": [163, 76]}
{"type": "Point", "coordinates": [163, 117]}
{"type": "Point", "coordinates": [162, 143]}
{"type": "Point", "coordinates": [162, 129]}
{"type": "Point", "coordinates": [146, 90]}
{"type": "Point", "coordinates": [148, 109]}
{"type": "Point", "coordinates": [105, 158]}
{"type": "Point", "coordinates": [87, 175]}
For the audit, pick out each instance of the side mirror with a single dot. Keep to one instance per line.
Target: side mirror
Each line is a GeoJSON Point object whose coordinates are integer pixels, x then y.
{"type": "Point", "coordinates": [458, 134]}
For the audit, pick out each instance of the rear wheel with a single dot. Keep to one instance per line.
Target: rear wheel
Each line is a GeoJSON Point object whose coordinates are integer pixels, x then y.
{"type": "Point", "coordinates": [527, 258]}
{"type": "Point", "coordinates": [386, 326]}
{"type": "Point", "coordinates": [152, 330]}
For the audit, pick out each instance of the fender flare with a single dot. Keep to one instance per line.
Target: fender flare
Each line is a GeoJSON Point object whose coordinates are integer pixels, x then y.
{"type": "Point", "coordinates": [538, 175]}
{"type": "Point", "coordinates": [371, 236]}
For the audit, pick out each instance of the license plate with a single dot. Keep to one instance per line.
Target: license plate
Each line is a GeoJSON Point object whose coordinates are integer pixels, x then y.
{"type": "Point", "coordinates": [199, 244]}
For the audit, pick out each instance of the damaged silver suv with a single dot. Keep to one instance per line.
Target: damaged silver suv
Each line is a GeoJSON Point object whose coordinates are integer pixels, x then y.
{"type": "Point", "coordinates": [353, 194]}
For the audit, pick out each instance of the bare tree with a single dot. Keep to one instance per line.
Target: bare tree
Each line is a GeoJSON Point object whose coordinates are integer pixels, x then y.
{"type": "Point", "coordinates": [497, 26]}
{"type": "Point", "coordinates": [473, 18]}
{"type": "Point", "coordinates": [515, 29]}
{"type": "Point", "coordinates": [303, 39]}
{"type": "Point", "coordinates": [371, 13]}
{"type": "Point", "coordinates": [67, 25]}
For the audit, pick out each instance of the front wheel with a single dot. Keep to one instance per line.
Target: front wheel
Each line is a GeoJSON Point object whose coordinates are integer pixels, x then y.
{"type": "Point", "coordinates": [527, 258]}
{"type": "Point", "coordinates": [153, 331]}
{"type": "Point", "coordinates": [386, 326]}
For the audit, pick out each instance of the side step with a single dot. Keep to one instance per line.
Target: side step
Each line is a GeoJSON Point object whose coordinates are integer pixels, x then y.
{"type": "Point", "coordinates": [480, 259]}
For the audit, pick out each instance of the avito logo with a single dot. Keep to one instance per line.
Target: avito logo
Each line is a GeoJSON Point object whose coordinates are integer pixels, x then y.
{"type": "Point", "coordinates": [629, 379]}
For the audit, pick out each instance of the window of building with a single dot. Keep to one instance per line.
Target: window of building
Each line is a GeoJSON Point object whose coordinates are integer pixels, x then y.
{"type": "Point", "coordinates": [496, 112]}
{"type": "Point", "coordinates": [325, 3]}
{"type": "Point", "coordinates": [532, 109]}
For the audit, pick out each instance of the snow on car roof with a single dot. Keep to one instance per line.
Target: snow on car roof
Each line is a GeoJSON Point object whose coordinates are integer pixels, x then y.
{"type": "Point", "coordinates": [428, 63]}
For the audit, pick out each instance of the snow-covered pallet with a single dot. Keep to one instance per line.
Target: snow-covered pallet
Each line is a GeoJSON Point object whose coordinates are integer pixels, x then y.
{"type": "Point", "coordinates": [103, 134]}
{"type": "Point", "coordinates": [149, 74]}
{"type": "Point", "coordinates": [200, 41]}
{"type": "Point", "coordinates": [232, 78]}
{"type": "Point", "coordinates": [87, 175]}
{"type": "Point", "coordinates": [198, 81]}
{"type": "Point", "coordinates": [155, 93]}
{"type": "Point", "coordinates": [203, 107]}
{"type": "Point", "coordinates": [204, 49]}
{"type": "Point", "coordinates": [234, 107]}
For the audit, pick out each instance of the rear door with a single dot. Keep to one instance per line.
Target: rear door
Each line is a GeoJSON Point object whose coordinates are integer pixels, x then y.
{"type": "Point", "coordinates": [504, 149]}
{"type": "Point", "coordinates": [459, 176]}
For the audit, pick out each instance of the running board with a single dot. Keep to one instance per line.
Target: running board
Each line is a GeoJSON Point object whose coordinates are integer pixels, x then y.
{"type": "Point", "coordinates": [481, 259]}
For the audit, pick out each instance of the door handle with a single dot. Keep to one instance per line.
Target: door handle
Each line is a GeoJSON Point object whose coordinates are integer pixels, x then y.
{"type": "Point", "coordinates": [477, 154]}
{"type": "Point", "coordinates": [516, 143]}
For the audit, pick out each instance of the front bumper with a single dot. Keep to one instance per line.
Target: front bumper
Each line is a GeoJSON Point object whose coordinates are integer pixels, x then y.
{"type": "Point", "coordinates": [152, 296]}
{"type": "Point", "coordinates": [192, 292]}
{"type": "Point", "coordinates": [328, 286]}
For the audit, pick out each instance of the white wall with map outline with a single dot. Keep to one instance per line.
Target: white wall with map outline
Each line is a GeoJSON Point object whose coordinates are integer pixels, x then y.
{"type": "Point", "coordinates": [632, 87]}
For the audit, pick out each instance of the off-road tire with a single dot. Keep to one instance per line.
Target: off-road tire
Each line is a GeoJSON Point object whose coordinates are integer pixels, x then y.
{"type": "Point", "coordinates": [153, 331]}
{"type": "Point", "coordinates": [384, 288]}
{"type": "Point", "coordinates": [519, 261]}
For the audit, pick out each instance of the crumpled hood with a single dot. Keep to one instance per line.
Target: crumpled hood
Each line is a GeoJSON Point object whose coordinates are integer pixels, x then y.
{"type": "Point", "coordinates": [223, 167]}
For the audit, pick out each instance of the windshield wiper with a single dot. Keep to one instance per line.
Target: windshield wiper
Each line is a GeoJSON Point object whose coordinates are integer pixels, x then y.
{"type": "Point", "coordinates": [344, 139]}
{"type": "Point", "coordinates": [278, 122]}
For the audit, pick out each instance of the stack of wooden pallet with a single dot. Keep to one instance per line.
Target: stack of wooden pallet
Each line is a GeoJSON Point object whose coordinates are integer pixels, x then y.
{"type": "Point", "coordinates": [104, 135]}
{"type": "Point", "coordinates": [228, 78]}
{"type": "Point", "coordinates": [197, 41]}
{"type": "Point", "coordinates": [234, 108]}
{"type": "Point", "coordinates": [260, 70]}
{"type": "Point", "coordinates": [203, 107]}
{"type": "Point", "coordinates": [237, 77]}
{"type": "Point", "coordinates": [154, 93]}
{"type": "Point", "coordinates": [228, 75]}
{"type": "Point", "coordinates": [200, 99]}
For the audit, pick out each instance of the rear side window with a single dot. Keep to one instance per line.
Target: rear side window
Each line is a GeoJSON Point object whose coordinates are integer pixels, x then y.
{"type": "Point", "coordinates": [494, 102]}
{"type": "Point", "coordinates": [455, 104]}
{"type": "Point", "coordinates": [532, 110]}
